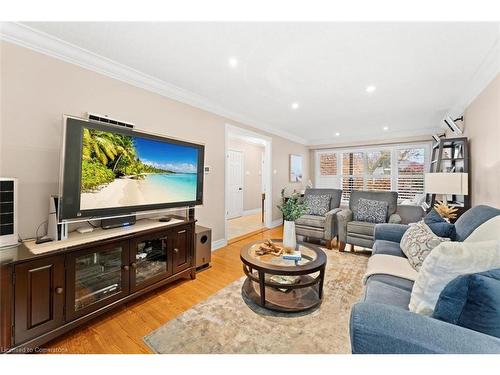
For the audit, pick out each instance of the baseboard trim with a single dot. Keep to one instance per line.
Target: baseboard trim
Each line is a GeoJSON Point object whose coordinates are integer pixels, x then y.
{"type": "Point", "coordinates": [219, 244]}
{"type": "Point", "coordinates": [252, 211]}
{"type": "Point", "coordinates": [246, 235]}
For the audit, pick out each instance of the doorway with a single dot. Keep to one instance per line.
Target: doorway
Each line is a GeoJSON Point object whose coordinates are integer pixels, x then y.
{"type": "Point", "coordinates": [235, 164]}
{"type": "Point", "coordinates": [248, 183]}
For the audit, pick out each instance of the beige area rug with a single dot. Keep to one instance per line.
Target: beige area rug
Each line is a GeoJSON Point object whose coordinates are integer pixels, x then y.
{"type": "Point", "coordinates": [225, 323]}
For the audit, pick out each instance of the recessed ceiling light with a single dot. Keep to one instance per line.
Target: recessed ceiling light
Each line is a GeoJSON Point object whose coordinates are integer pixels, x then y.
{"type": "Point", "coordinates": [295, 105]}
{"type": "Point", "coordinates": [385, 128]}
{"type": "Point", "coordinates": [370, 88]}
{"type": "Point", "coordinates": [337, 134]}
{"type": "Point", "coordinates": [233, 62]}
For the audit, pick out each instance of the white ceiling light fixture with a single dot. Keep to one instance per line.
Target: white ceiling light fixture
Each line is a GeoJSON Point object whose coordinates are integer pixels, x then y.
{"type": "Point", "coordinates": [232, 62]}
{"type": "Point", "coordinates": [337, 134]}
{"type": "Point", "coordinates": [385, 128]}
{"type": "Point", "coordinates": [295, 105]}
{"type": "Point", "coordinates": [370, 88]}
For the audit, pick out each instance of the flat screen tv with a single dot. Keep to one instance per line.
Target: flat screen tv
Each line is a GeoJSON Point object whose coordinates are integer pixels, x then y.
{"type": "Point", "coordinates": [112, 170]}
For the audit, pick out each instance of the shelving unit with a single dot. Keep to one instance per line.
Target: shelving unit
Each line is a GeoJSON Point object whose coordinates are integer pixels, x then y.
{"type": "Point", "coordinates": [451, 155]}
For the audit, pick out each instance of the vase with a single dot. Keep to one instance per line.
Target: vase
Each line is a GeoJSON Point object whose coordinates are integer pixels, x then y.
{"type": "Point", "coordinates": [289, 238]}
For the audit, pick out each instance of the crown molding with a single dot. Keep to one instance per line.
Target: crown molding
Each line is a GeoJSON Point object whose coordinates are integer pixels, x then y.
{"type": "Point", "coordinates": [386, 137]}
{"type": "Point", "coordinates": [486, 72]}
{"type": "Point", "coordinates": [38, 41]}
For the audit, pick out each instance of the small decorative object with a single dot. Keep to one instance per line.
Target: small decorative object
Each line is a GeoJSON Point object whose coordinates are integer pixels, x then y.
{"type": "Point", "coordinates": [285, 280]}
{"type": "Point", "coordinates": [295, 168]}
{"type": "Point", "coordinates": [445, 211]}
{"type": "Point", "coordinates": [292, 208]}
{"type": "Point", "coordinates": [269, 247]}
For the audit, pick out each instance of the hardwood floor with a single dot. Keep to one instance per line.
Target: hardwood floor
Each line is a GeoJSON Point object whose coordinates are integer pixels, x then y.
{"type": "Point", "coordinates": [122, 330]}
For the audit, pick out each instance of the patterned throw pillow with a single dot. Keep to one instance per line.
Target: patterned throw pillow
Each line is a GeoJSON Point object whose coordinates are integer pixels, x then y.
{"type": "Point", "coordinates": [317, 205]}
{"type": "Point", "coordinates": [371, 211]}
{"type": "Point", "coordinates": [417, 242]}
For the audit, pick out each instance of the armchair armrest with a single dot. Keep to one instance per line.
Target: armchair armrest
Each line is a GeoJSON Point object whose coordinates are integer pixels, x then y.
{"type": "Point", "coordinates": [382, 329]}
{"type": "Point", "coordinates": [331, 228]}
{"type": "Point", "coordinates": [343, 217]}
{"type": "Point", "coordinates": [390, 232]}
{"type": "Point", "coordinates": [394, 219]}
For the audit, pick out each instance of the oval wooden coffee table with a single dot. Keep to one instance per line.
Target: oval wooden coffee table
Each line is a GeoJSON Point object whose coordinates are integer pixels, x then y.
{"type": "Point", "coordinates": [309, 273]}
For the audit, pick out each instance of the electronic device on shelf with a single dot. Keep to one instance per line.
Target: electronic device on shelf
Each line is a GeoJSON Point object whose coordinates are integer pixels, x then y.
{"type": "Point", "coordinates": [109, 171]}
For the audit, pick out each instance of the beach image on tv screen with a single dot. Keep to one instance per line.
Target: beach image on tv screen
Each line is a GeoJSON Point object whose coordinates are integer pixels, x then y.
{"type": "Point", "coordinates": [120, 170]}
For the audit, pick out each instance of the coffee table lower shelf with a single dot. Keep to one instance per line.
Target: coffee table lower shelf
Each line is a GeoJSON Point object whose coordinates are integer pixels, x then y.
{"type": "Point", "coordinates": [294, 300]}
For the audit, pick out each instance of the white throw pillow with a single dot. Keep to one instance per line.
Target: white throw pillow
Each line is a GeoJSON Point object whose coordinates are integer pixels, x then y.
{"type": "Point", "coordinates": [446, 262]}
{"type": "Point", "coordinates": [417, 243]}
{"type": "Point", "coordinates": [487, 231]}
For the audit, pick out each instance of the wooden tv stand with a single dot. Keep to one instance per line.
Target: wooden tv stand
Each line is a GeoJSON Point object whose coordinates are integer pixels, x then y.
{"type": "Point", "coordinates": [47, 290]}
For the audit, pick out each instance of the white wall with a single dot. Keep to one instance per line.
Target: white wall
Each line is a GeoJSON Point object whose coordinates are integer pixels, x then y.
{"type": "Point", "coordinates": [482, 127]}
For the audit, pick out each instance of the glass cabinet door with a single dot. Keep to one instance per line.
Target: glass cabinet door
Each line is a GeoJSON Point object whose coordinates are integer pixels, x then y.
{"type": "Point", "coordinates": [97, 277]}
{"type": "Point", "coordinates": [149, 260]}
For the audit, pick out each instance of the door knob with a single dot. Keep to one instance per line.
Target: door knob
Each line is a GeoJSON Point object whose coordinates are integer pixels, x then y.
{"type": "Point", "coordinates": [126, 268]}
{"type": "Point", "coordinates": [176, 250]}
{"type": "Point", "coordinates": [133, 265]}
{"type": "Point", "coordinates": [59, 290]}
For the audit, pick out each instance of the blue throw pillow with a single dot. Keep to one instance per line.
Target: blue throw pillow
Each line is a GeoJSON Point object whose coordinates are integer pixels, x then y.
{"type": "Point", "coordinates": [439, 226]}
{"type": "Point", "coordinates": [472, 301]}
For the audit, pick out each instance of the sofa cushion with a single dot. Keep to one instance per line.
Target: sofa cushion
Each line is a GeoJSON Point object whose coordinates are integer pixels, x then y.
{"type": "Point", "coordinates": [472, 219]}
{"type": "Point", "coordinates": [472, 301]}
{"type": "Point", "coordinates": [317, 204]}
{"type": "Point", "coordinates": [393, 280]}
{"type": "Point", "coordinates": [446, 262]}
{"type": "Point", "coordinates": [371, 211]}
{"type": "Point", "coordinates": [391, 197]}
{"type": "Point", "coordinates": [311, 221]}
{"type": "Point", "coordinates": [378, 292]}
{"type": "Point", "coordinates": [360, 227]}
{"type": "Point", "coordinates": [417, 242]}
{"type": "Point", "coordinates": [387, 248]}
{"type": "Point", "coordinates": [487, 231]}
{"type": "Point", "coordinates": [438, 225]}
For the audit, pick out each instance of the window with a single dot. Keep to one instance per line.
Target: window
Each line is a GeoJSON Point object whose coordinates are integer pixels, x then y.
{"type": "Point", "coordinates": [411, 166]}
{"type": "Point", "coordinates": [328, 164]}
{"type": "Point", "coordinates": [352, 173]}
{"type": "Point", "coordinates": [378, 175]}
{"type": "Point", "coordinates": [398, 168]}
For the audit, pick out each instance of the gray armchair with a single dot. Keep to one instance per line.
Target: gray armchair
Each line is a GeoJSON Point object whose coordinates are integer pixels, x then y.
{"type": "Point", "coordinates": [321, 227]}
{"type": "Point", "coordinates": [360, 233]}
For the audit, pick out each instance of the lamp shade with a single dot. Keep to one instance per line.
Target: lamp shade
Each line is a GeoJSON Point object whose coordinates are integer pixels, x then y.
{"type": "Point", "coordinates": [447, 183]}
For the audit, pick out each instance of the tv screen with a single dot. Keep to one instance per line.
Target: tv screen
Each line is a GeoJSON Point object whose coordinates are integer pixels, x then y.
{"type": "Point", "coordinates": [111, 170]}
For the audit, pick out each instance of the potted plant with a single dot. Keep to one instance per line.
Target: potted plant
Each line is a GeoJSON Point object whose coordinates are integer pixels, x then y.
{"type": "Point", "coordinates": [292, 208]}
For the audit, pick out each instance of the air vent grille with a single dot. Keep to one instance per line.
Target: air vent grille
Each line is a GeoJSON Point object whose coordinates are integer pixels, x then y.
{"type": "Point", "coordinates": [6, 207]}
{"type": "Point", "coordinates": [107, 120]}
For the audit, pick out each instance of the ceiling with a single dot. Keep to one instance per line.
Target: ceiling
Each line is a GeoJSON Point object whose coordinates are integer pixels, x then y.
{"type": "Point", "coordinates": [420, 70]}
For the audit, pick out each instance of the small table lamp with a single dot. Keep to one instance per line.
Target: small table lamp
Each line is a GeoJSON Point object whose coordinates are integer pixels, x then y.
{"type": "Point", "coordinates": [447, 184]}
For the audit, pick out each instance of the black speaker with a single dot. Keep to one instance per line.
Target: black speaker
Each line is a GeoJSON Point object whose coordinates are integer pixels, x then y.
{"type": "Point", "coordinates": [116, 222]}
{"type": "Point", "coordinates": [8, 212]}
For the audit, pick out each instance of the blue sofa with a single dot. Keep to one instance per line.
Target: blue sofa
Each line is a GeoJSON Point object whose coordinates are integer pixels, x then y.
{"type": "Point", "coordinates": [381, 322]}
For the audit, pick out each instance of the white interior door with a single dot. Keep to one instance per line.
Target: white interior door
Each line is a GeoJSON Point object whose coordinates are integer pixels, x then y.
{"type": "Point", "coordinates": [235, 184]}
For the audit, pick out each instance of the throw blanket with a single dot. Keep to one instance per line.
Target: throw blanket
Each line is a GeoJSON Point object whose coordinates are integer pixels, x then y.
{"type": "Point", "coordinates": [390, 265]}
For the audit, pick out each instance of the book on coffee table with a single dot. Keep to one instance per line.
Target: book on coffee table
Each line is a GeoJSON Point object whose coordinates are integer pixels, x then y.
{"type": "Point", "coordinates": [296, 255]}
